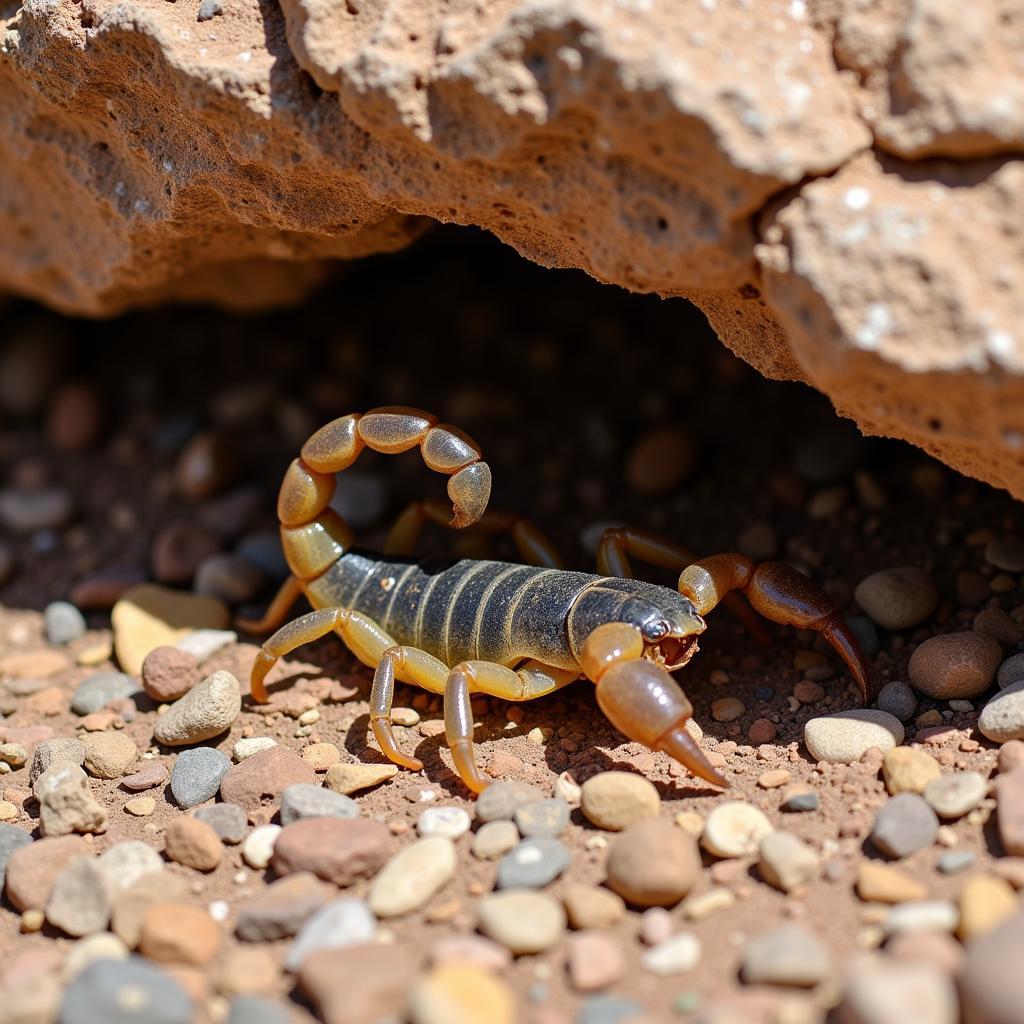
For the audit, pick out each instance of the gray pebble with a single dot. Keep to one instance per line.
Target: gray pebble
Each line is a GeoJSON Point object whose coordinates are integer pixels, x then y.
{"type": "Point", "coordinates": [532, 864]}
{"type": "Point", "coordinates": [230, 578]}
{"type": "Point", "coordinates": [28, 511]}
{"type": "Point", "coordinates": [1011, 671]}
{"type": "Point", "coordinates": [254, 1009]}
{"type": "Point", "coordinates": [100, 689]}
{"type": "Point", "coordinates": [11, 838]}
{"type": "Point", "coordinates": [899, 597]}
{"type": "Point", "coordinates": [306, 800]}
{"type": "Point", "coordinates": [229, 821]}
{"type": "Point", "coordinates": [49, 752]}
{"type": "Point", "coordinates": [543, 818]}
{"type": "Point", "coordinates": [501, 800]}
{"type": "Point", "coordinates": [197, 775]}
{"type": "Point", "coordinates": [800, 802]}
{"type": "Point", "coordinates": [898, 699]}
{"type": "Point", "coordinates": [904, 824]}
{"type": "Point", "coordinates": [204, 643]}
{"type": "Point", "coordinates": [280, 910]}
{"type": "Point", "coordinates": [130, 991]}
{"type": "Point", "coordinates": [342, 923]}
{"type": "Point", "coordinates": [789, 955]}
{"type": "Point", "coordinates": [608, 1010]}
{"type": "Point", "coordinates": [80, 900]}
{"type": "Point", "coordinates": [209, 9]}
{"type": "Point", "coordinates": [952, 861]}
{"type": "Point", "coordinates": [63, 622]}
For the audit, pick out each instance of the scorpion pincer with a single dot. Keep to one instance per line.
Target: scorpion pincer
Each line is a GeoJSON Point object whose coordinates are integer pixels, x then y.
{"type": "Point", "coordinates": [514, 631]}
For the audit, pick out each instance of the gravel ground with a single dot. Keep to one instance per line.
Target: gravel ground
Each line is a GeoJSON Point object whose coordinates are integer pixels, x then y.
{"type": "Point", "coordinates": [866, 866]}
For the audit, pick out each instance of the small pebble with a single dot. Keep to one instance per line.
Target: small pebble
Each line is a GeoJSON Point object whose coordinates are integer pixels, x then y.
{"type": "Point", "coordinates": [789, 955]}
{"type": "Point", "coordinates": [227, 820]}
{"type": "Point", "coordinates": [202, 644]}
{"type": "Point", "coordinates": [921, 916]}
{"type": "Point", "coordinates": [986, 901]}
{"type": "Point", "coordinates": [197, 775]}
{"type": "Point", "coordinates": [179, 934]}
{"type": "Point", "coordinates": [774, 779]}
{"type": "Point", "coordinates": [652, 864]}
{"type": "Point", "coordinates": [881, 883]}
{"type": "Point", "coordinates": [532, 864]}
{"type": "Point", "coordinates": [168, 674]}
{"type": "Point", "coordinates": [252, 745]}
{"type": "Point", "coordinates": [590, 906]}
{"type": "Point", "coordinates": [953, 796]}
{"type": "Point", "coordinates": [343, 850]}
{"type": "Point", "coordinates": [1005, 553]}
{"type": "Point", "coordinates": [79, 902]}
{"type": "Point", "coordinates": [696, 908]}
{"type": "Point", "coordinates": [501, 800]}
{"type": "Point", "coordinates": [897, 699]}
{"type": "Point", "coordinates": [1011, 671]}
{"type": "Point", "coordinates": [799, 801]}
{"type": "Point", "coordinates": [786, 861]}
{"type": "Point", "coordinates": [207, 710]}
{"type": "Point", "coordinates": [448, 822]}
{"type": "Point", "coordinates": [282, 908]}
{"type": "Point", "coordinates": [594, 961]}
{"type": "Point", "coordinates": [140, 807]}
{"type": "Point", "coordinates": [355, 777]}
{"type": "Point", "coordinates": [734, 829]}
{"type": "Point", "coordinates": [412, 877]}
{"type": "Point", "coordinates": [49, 508]}
{"type": "Point", "coordinates": [908, 770]}
{"type": "Point", "coordinates": [955, 665]}
{"type": "Point", "coordinates": [307, 800]}
{"type": "Point", "coordinates": [524, 922]}
{"type": "Point", "coordinates": [727, 709]}
{"type": "Point", "coordinates": [193, 843]}
{"type": "Point", "coordinates": [494, 839]}
{"type": "Point", "coordinates": [898, 598]}
{"type": "Point", "coordinates": [339, 924]}
{"type": "Point", "coordinates": [150, 775]}
{"type": "Point", "coordinates": [100, 689]}
{"type": "Point", "coordinates": [1002, 718]}
{"type": "Point", "coordinates": [660, 461]}
{"type": "Point", "coordinates": [258, 847]}
{"type": "Point", "coordinates": [461, 993]}
{"type": "Point", "coordinates": [952, 861]}
{"type": "Point", "coordinates": [616, 800]}
{"type": "Point", "coordinates": [63, 623]}
{"type": "Point", "coordinates": [108, 755]}
{"type": "Point", "coordinates": [675, 955]}
{"type": "Point", "coordinates": [205, 465]}
{"type": "Point", "coordinates": [543, 818]}
{"type": "Point", "coordinates": [178, 549]}
{"type": "Point", "coordinates": [904, 824]}
{"type": "Point", "coordinates": [66, 803]}
{"type": "Point", "coordinates": [229, 578]}
{"type": "Point", "coordinates": [320, 756]}
{"type": "Point", "coordinates": [844, 737]}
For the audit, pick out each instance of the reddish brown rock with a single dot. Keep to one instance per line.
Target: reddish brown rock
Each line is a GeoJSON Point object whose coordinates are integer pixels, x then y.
{"type": "Point", "coordinates": [359, 985]}
{"type": "Point", "coordinates": [31, 871]}
{"type": "Point", "coordinates": [179, 934]}
{"type": "Point", "coordinates": [1009, 811]}
{"type": "Point", "coordinates": [168, 673]}
{"type": "Point", "coordinates": [264, 776]}
{"type": "Point", "coordinates": [335, 849]}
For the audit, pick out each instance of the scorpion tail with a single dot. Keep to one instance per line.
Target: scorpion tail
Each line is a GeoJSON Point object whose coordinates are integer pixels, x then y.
{"type": "Point", "coordinates": [313, 535]}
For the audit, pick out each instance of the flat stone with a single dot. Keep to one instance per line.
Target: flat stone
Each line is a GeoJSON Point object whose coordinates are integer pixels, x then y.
{"type": "Point", "coordinates": [844, 737]}
{"type": "Point", "coordinates": [921, 916]}
{"type": "Point", "coordinates": [500, 800]}
{"type": "Point", "coordinates": [207, 710]}
{"type": "Point", "coordinates": [494, 839]}
{"type": "Point", "coordinates": [132, 903]}
{"type": "Point", "coordinates": [150, 775]}
{"type": "Point", "coordinates": [203, 644]}
{"type": "Point", "coordinates": [412, 877]}
{"type": "Point", "coordinates": [461, 994]}
{"type": "Point", "coordinates": [179, 934]}
{"type": "Point", "coordinates": [32, 868]}
{"type": "Point", "coordinates": [11, 838]}
{"type": "Point", "coordinates": [1002, 718]}
{"type": "Point", "coordinates": [789, 955]}
{"type": "Point", "coordinates": [108, 755]}
{"type": "Point", "coordinates": [79, 902]}
{"type": "Point", "coordinates": [193, 844]}
{"type": "Point", "coordinates": [264, 777]}
{"type": "Point", "coordinates": [149, 616]}
{"type": "Point", "coordinates": [307, 800]}
{"type": "Point", "coordinates": [885, 992]}
{"type": "Point", "coordinates": [897, 699]}
{"type": "Point", "coordinates": [280, 910]}
{"type": "Point", "coordinates": [129, 991]}
{"type": "Point", "coordinates": [591, 906]}
{"type": "Point", "coordinates": [126, 862]}
{"type": "Point", "coordinates": [898, 598]}
{"type": "Point", "coordinates": [337, 925]}
{"type": "Point", "coordinates": [616, 800]}
{"type": "Point", "coordinates": [908, 770]}
{"type": "Point", "coordinates": [360, 984]}
{"type": "Point", "coordinates": [140, 806]}
{"type": "Point", "coordinates": [532, 864]}
{"type": "Point", "coordinates": [798, 800]}
{"type": "Point", "coordinates": [334, 849]}
{"type": "Point", "coordinates": [448, 822]}
{"type": "Point", "coordinates": [354, 777]}
{"type": "Point", "coordinates": [734, 829]}
{"type": "Point", "coordinates": [1010, 811]}
{"type": "Point", "coordinates": [197, 775]}
{"type": "Point", "coordinates": [472, 949]}
{"type": "Point", "coordinates": [524, 922]}
{"type": "Point", "coordinates": [992, 982]}
{"type": "Point", "coordinates": [786, 861]}
{"type": "Point", "coordinates": [252, 745]}
{"type": "Point", "coordinates": [904, 824]}
{"type": "Point", "coordinates": [884, 884]}
{"type": "Point", "coordinates": [675, 955]}
{"type": "Point", "coordinates": [953, 861]}
{"type": "Point", "coordinates": [653, 863]}
{"type": "Point", "coordinates": [953, 796]}
{"type": "Point", "coordinates": [100, 689]}
{"type": "Point", "coordinates": [227, 820]}
{"type": "Point", "coordinates": [955, 665]}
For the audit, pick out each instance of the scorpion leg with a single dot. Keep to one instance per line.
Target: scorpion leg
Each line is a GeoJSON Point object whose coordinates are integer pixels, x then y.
{"type": "Point", "coordinates": [498, 681]}
{"type": "Point", "coordinates": [415, 666]}
{"type": "Point", "coordinates": [531, 544]}
{"type": "Point", "coordinates": [619, 543]}
{"type": "Point", "coordinates": [277, 610]}
{"type": "Point", "coordinates": [779, 593]}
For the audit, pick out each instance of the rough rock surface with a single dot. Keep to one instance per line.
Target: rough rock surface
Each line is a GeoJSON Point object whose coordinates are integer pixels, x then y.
{"type": "Point", "coordinates": [837, 185]}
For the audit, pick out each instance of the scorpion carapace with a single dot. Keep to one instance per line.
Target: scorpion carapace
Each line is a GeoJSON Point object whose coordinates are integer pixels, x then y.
{"type": "Point", "coordinates": [514, 631]}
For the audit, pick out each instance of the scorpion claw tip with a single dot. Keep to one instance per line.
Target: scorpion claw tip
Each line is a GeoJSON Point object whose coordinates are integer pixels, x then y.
{"type": "Point", "coordinates": [679, 744]}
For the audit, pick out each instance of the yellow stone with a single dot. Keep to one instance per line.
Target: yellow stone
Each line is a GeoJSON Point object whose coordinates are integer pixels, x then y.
{"type": "Point", "coordinates": [462, 994]}
{"type": "Point", "coordinates": [32, 663]}
{"type": "Point", "coordinates": [351, 778]}
{"type": "Point", "coordinates": [95, 653]}
{"type": "Point", "coordinates": [32, 921]}
{"type": "Point", "coordinates": [690, 822]}
{"type": "Point", "coordinates": [7, 810]}
{"type": "Point", "coordinates": [141, 806]}
{"type": "Point", "coordinates": [907, 770]}
{"type": "Point", "coordinates": [882, 884]}
{"type": "Point", "coordinates": [696, 908]}
{"type": "Point", "coordinates": [150, 616]}
{"type": "Point", "coordinates": [985, 902]}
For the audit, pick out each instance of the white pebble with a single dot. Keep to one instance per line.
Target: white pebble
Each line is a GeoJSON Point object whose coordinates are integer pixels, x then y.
{"type": "Point", "coordinates": [843, 738]}
{"type": "Point", "coordinates": [246, 748]}
{"type": "Point", "coordinates": [921, 916]}
{"type": "Point", "coordinates": [258, 847]}
{"type": "Point", "coordinates": [449, 822]}
{"type": "Point", "coordinates": [673, 956]}
{"type": "Point", "coordinates": [734, 829]}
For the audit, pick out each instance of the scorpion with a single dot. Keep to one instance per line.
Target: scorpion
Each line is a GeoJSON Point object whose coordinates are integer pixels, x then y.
{"type": "Point", "coordinates": [510, 630]}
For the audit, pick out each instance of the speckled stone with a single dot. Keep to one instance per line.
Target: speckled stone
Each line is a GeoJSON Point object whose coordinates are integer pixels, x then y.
{"type": "Point", "coordinates": [904, 824]}
{"type": "Point", "coordinates": [1002, 718]}
{"type": "Point", "coordinates": [131, 991]}
{"type": "Point", "coordinates": [532, 864]}
{"type": "Point", "coordinates": [955, 665]}
{"type": "Point", "coordinates": [227, 820]}
{"type": "Point", "coordinates": [307, 800]}
{"type": "Point", "coordinates": [96, 692]}
{"type": "Point", "coordinates": [842, 738]}
{"type": "Point", "coordinates": [543, 818]}
{"type": "Point", "coordinates": [1011, 671]}
{"type": "Point", "coordinates": [897, 699]}
{"type": "Point", "coordinates": [501, 800]}
{"type": "Point", "coordinates": [197, 775]}
{"type": "Point", "coordinates": [207, 710]}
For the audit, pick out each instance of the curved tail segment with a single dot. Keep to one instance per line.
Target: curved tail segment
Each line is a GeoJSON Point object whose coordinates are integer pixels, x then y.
{"type": "Point", "coordinates": [313, 535]}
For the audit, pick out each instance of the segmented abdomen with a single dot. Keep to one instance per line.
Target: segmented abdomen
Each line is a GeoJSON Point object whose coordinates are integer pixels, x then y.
{"type": "Point", "coordinates": [492, 611]}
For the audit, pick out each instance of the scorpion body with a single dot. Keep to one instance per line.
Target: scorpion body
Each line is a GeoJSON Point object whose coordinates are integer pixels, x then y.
{"type": "Point", "coordinates": [514, 631]}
